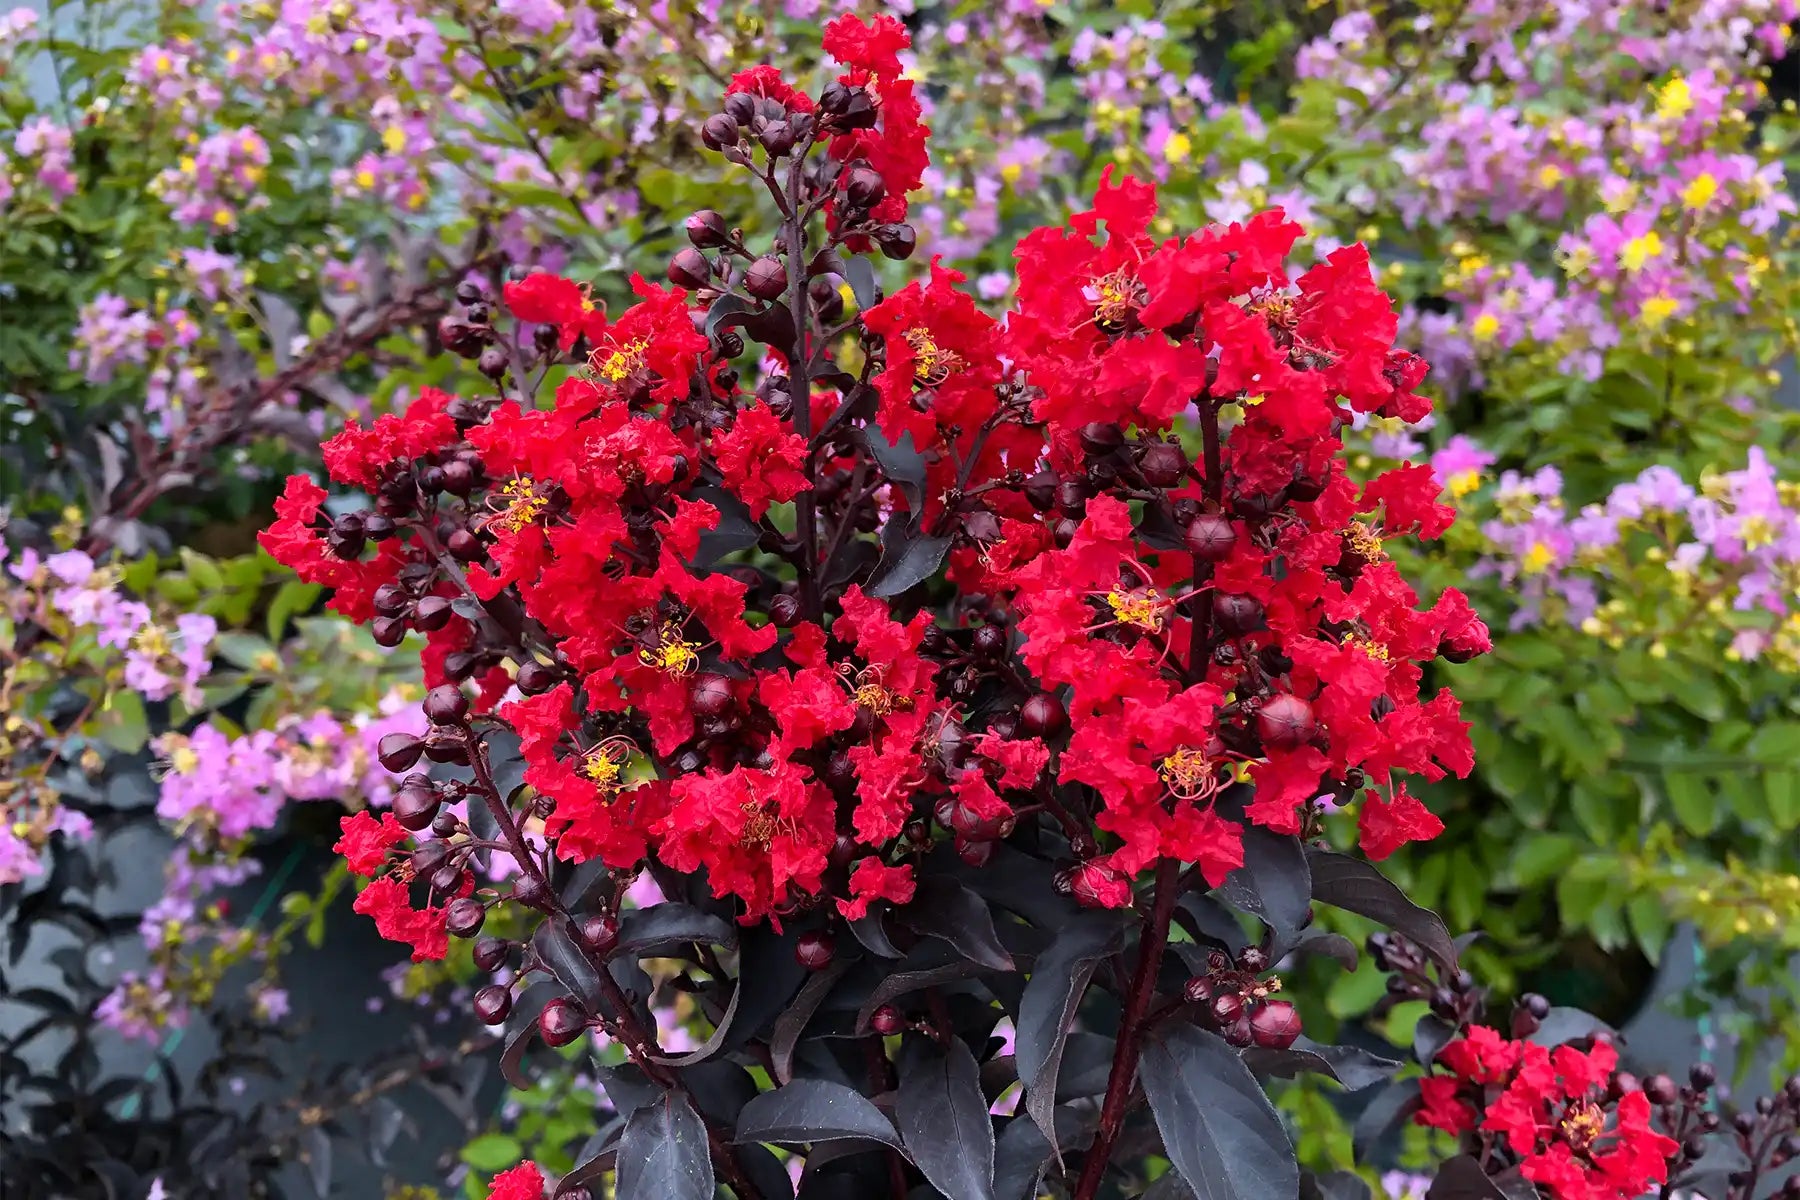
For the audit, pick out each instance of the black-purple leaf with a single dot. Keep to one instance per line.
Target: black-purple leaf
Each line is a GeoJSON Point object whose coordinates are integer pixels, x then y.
{"type": "Point", "coordinates": [1059, 979]}
{"type": "Point", "coordinates": [1274, 884]}
{"type": "Point", "coordinates": [1218, 1127]}
{"type": "Point", "coordinates": [735, 530]}
{"type": "Point", "coordinates": [1351, 1066]}
{"type": "Point", "coordinates": [568, 963]}
{"type": "Point", "coordinates": [1338, 1185]}
{"type": "Point", "coordinates": [663, 1153]}
{"type": "Point", "coordinates": [908, 557]}
{"type": "Point", "coordinates": [901, 463]}
{"type": "Point", "coordinates": [1020, 1156]}
{"type": "Point", "coordinates": [808, 1111]}
{"type": "Point", "coordinates": [859, 272]}
{"type": "Point", "coordinates": [1461, 1178]}
{"type": "Point", "coordinates": [1389, 1107]}
{"type": "Point", "coordinates": [792, 1023]}
{"type": "Point", "coordinates": [1356, 886]}
{"type": "Point", "coordinates": [946, 910]}
{"type": "Point", "coordinates": [944, 1121]}
{"type": "Point", "coordinates": [1430, 1035]}
{"type": "Point", "coordinates": [645, 931]}
{"type": "Point", "coordinates": [1564, 1024]}
{"type": "Point", "coordinates": [1334, 946]}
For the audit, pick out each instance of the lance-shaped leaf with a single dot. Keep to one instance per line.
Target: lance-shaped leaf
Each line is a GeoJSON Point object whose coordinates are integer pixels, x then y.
{"type": "Point", "coordinates": [1351, 1066]}
{"type": "Point", "coordinates": [1058, 981]}
{"type": "Point", "coordinates": [663, 1153]}
{"type": "Point", "coordinates": [1274, 884]}
{"type": "Point", "coordinates": [1356, 886]}
{"type": "Point", "coordinates": [808, 1111]}
{"type": "Point", "coordinates": [944, 1121]}
{"type": "Point", "coordinates": [1218, 1127]}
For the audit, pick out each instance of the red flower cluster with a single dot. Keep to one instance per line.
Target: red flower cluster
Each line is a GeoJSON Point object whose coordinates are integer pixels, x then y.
{"type": "Point", "coordinates": [713, 601]}
{"type": "Point", "coordinates": [1553, 1109]}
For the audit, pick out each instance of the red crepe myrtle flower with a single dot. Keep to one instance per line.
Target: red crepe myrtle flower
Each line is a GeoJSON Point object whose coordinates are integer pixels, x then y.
{"type": "Point", "coordinates": [546, 299]}
{"type": "Point", "coordinates": [386, 900]}
{"type": "Point", "coordinates": [366, 841]}
{"type": "Point", "coordinates": [873, 880]}
{"type": "Point", "coordinates": [523, 1182]}
{"type": "Point", "coordinates": [1552, 1109]}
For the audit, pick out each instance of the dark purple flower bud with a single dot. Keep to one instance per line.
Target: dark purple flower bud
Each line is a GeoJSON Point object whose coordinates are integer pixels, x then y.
{"type": "Point", "coordinates": [766, 279]}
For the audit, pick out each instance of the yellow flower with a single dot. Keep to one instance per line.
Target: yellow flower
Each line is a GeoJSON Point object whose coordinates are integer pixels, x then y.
{"type": "Point", "coordinates": [1485, 327]}
{"type": "Point", "coordinates": [1177, 148]}
{"type": "Point", "coordinates": [223, 218]}
{"type": "Point", "coordinates": [1656, 310]}
{"type": "Point", "coordinates": [1537, 559]}
{"type": "Point", "coordinates": [1549, 175]}
{"type": "Point", "coordinates": [365, 179]}
{"type": "Point", "coordinates": [1674, 99]}
{"type": "Point", "coordinates": [1697, 194]}
{"type": "Point", "coordinates": [1464, 482]}
{"type": "Point", "coordinates": [1640, 250]}
{"type": "Point", "coordinates": [1011, 172]}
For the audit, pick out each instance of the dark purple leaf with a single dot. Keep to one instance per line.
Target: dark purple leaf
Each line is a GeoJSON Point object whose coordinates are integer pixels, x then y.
{"type": "Point", "coordinates": [943, 1119]}
{"type": "Point", "coordinates": [1351, 1066]}
{"type": "Point", "coordinates": [1356, 886]}
{"type": "Point", "coordinates": [908, 557]}
{"type": "Point", "coordinates": [1338, 1185]}
{"type": "Point", "coordinates": [1461, 1178]}
{"type": "Point", "coordinates": [792, 1023]}
{"type": "Point", "coordinates": [735, 530]}
{"type": "Point", "coordinates": [1430, 1035]}
{"type": "Point", "coordinates": [1218, 1128]}
{"type": "Point", "coordinates": [1059, 979]}
{"type": "Point", "coordinates": [859, 273]}
{"type": "Point", "coordinates": [520, 1031]}
{"type": "Point", "coordinates": [945, 909]}
{"type": "Point", "coordinates": [1020, 1156]}
{"type": "Point", "coordinates": [663, 1154]}
{"type": "Point", "coordinates": [1334, 946]}
{"type": "Point", "coordinates": [647, 931]}
{"type": "Point", "coordinates": [1206, 917]}
{"type": "Point", "coordinates": [568, 963]}
{"type": "Point", "coordinates": [1564, 1024]}
{"type": "Point", "coordinates": [809, 1111]}
{"type": "Point", "coordinates": [871, 931]}
{"type": "Point", "coordinates": [1389, 1107]}
{"type": "Point", "coordinates": [901, 463]}
{"type": "Point", "coordinates": [1274, 884]}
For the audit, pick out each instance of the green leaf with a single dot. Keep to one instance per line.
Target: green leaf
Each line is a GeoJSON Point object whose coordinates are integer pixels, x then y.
{"type": "Point", "coordinates": [202, 570]}
{"type": "Point", "coordinates": [1777, 743]}
{"type": "Point", "coordinates": [1781, 792]}
{"type": "Point", "coordinates": [291, 598]}
{"type": "Point", "coordinates": [493, 1152]}
{"type": "Point", "coordinates": [1540, 857]}
{"type": "Point", "coordinates": [1692, 801]}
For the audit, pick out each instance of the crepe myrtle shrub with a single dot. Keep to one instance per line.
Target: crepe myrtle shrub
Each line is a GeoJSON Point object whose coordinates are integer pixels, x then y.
{"type": "Point", "coordinates": [962, 716]}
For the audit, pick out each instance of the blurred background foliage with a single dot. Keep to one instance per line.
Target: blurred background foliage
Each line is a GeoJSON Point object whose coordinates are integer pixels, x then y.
{"type": "Point", "coordinates": [225, 231]}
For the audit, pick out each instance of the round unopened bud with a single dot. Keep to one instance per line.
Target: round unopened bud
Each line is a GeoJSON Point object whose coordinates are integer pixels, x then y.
{"type": "Point", "coordinates": [711, 695]}
{"type": "Point", "coordinates": [865, 187]}
{"type": "Point", "coordinates": [1227, 1007]}
{"type": "Point", "coordinates": [493, 1004]}
{"type": "Point", "coordinates": [459, 477]}
{"type": "Point", "coordinates": [445, 704]}
{"type": "Point", "coordinates": [531, 892]}
{"type": "Point", "coordinates": [1285, 722]}
{"type": "Point", "coordinates": [493, 362]}
{"type": "Point", "coordinates": [897, 241]}
{"type": "Point", "coordinates": [1237, 614]}
{"type": "Point", "coordinates": [399, 751]}
{"type": "Point", "coordinates": [378, 528]}
{"type": "Point", "coordinates": [490, 953]}
{"type": "Point", "coordinates": [390, 598]}
{"type": "Point", "coordinates": [719, 132]}
{"type": "Point", "coordinates": [1210, 537]}
{"type": "Point", "coordinates": [465, 917]}
{"type": "Point", "coordinates": [766, 279]}
{"type": "Point", "coordinates": [887, 1020]}
{"type": "Point", "coordinates": [835, 99]}
{"type": "Point", "coordinates": [815, 950]}
{"type": "Point", "coordinates": [1163, 464]}
{"type": "Point", "coordinates": [465, 546]}
{"type": "Point", "coordinates": [416, 804]}
{"type": "Point", "coordinates": [740, 107]}
{"type": "Point", "coordinates": [784, 611]}
{"type": "Point", "coordinates": [1198, 990]}
{"type": "Point", "coordinates": [777, 137]}
{"type": "Point", "coordinates": [1275, 1025]}
{"type": "Point", "coordinates": [707, 229]}
{"type": "Point", "coordinates": [1101, 437]}
{"type": "Point", "coordinates": [1044, 716]}
{"type": "Point", "coordinates": [448, 879]}
{"type": "Point", "coordinates": [600, 933]}
{"type": "Point", "coordinates": [689, 268]}
{"type": "Point", "coordinates": [536, 677]}
{"type": "Point", "coordinates": [560, 1023]}
{"type": "Point", "coordinates": [433, 612]}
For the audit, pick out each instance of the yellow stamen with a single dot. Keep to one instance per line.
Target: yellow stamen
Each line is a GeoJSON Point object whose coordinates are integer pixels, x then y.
{"type": "Point", "coordinates": [1188, 772]}
{"type": "Point", "coordinates": [619, 362]}
{"type": "Point", "coordinates": [1141, 608]}
{"type": "Point", "coordinates": [931, 364]}
{"type": "Point", "coordinates": [520, 504]}
{"type": "Point", "coordinates": [1363, 541]}
{"type": "Point", "coordinates": [671, 653]}
{"type": "Point", "coordinates": [1115, 295]}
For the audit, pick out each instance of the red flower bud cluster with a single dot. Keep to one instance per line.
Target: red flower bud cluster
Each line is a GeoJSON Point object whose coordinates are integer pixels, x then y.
{"type": "Point", "coordinates": [935, 575]}
{"type": "Point", "coordinates": [1579, 1129]}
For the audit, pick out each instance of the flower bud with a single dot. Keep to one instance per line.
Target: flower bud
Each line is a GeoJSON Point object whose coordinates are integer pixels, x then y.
{"type": "Point", "coordinates": [689, 268]}
{"type": "Point", "coordinates": [1227, 1007]}
{"type": "Point", "coordinates": [719, 132]}
{"type": "Point", "coordinates": [1043, 716]}
{"type": "Point", "coordinates": [1275, 1025]}
{"type": "Point", "coordinates": [740, 107]}
{"type": "Point", "coordinates": [1285, 722]}
{"type": "Point", "coordinates": [459, 477]}
{"type": "Point", "coordinates": [1097, 886]}
{"type": "Point", "coordinates": [887, 1020]}
{"type": "Point", "coordinates": [1254, 959]}
{"type": "Point", "coordinates": [1198, 990]}
{"type": "Point", "coordinates": [490, 953]}
{"type": "Point", "coordinates": [835, 99]}
{"type": "Point", "coordinates": [897, 241]}
{"type": "Point", "coordinates": [465, 917]}
{"type": "Point", "coordinates": [433, 612]}
{"type": "Point", "coordinates": [859, 112]}
{"type": "Point", "coordinates": [815, 950]}
{"type": "Point", "coordinates": [1237, 614]}
{"type": "Point", "coordinates": [711, 695]}
{"type": "Point", "coordinates": [416, 804]}
{"type": "Point", "coordinates": [1210, 537]}
{"type": "Point", "coordinates": [1101, 437]}
{"type": "Point", "coordinates": [784, 611]}
{"type": "Point", "coordinates": [445, 704]}
{"type": "Point", "coordinates": [766, 279]}
{"type": "Point", "coordinates": [560, 1023]}
{"type": "Point", "coordinates": [600, 933]}
{"type": "Point", "coordinates": [1163, 464]}
{"type": "Point", "coordinates": [493, 1004]}
{"type": "Point", "coordinates": [447, 879]}
{"type": "Point", "coordinates": [397, 752]}
{"type": "Point", "coordinates": [865, 187]}
{"type": "Point", "coordinates": [465, 546]}
{"type": "Point", "coordinates": [777, 137]}
{"type": "Point", "coordinates": [707, 229]}
{"type": "Point", "coordinates": [529, 891]}
{"type": "Point", "coordinates": [390, 598]}
{"type": "Point", "coordinates": [536, 677]}
{"type": "Point", "coordinates": [493, 362]}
